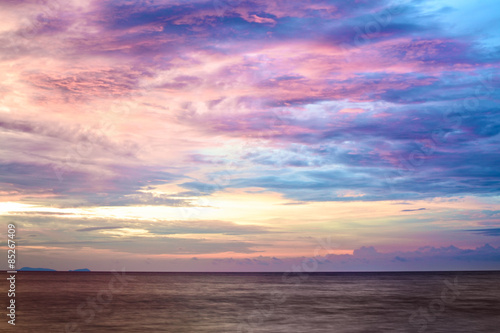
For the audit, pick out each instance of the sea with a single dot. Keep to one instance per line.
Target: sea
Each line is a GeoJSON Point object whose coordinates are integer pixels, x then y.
{"type": "Point", "coordinates": [255, 302]}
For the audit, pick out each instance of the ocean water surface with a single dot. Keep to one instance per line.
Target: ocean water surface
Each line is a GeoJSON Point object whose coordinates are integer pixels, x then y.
{"type": "Point", "coordinates": [256, 302]}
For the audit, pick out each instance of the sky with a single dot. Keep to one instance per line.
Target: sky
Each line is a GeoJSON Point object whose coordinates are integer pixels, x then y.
{"type": "Point", "coordinates": [217, 135]}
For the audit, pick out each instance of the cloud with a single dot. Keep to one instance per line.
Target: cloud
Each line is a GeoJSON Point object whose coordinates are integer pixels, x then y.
{"type": "Point", "coordinates": [413, 210]}
{"type": "Point", "coordinates": [366, 259]}
{"type": "Point", "coordinates": [156, 246]}
{"type": "Point", "coordinates": [274, 73]}
{"type": "Point", "coordinates": [137, 236]}
{"type": "Point", "coordinates": [207, 227]}
{"type": "Point", "coordinates": [40, 213]}
{"type": "Point", "coordinates": [487, 232]}
{"type": "Point", "coordinates": [98, 228]}
{"type": "Point", "coordinates": [74, 86]}
{"type": "Point", "coordinates": [369, 259]}
{"type": "Point", "coordinates": [80, 187]}
{"type": "Point", "coordinates": [152, 227]}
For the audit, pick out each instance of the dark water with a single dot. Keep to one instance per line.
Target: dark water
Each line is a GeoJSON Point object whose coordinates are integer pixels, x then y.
{"type": "Point", "coordinates": [262, 302]}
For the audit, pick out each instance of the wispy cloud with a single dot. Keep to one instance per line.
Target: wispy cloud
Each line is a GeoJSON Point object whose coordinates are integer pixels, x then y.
{"type": "Point", "coordinates": [487, 232]}
{"type": "Point", "coordinates": [98, 228]}
{"type": "Point", "coordinates": [413, 210]}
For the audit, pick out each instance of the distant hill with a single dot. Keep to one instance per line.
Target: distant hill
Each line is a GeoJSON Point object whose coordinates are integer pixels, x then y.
{"type": "Point", "coordinates": [31, 269]}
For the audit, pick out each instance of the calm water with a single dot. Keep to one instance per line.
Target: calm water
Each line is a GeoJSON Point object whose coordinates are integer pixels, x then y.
{"type": "Point", "coordinates": [262, 302]}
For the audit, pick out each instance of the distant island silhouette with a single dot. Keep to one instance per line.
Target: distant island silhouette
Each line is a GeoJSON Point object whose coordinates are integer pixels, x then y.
{"type": "Point", "coordinates": [31, 269]}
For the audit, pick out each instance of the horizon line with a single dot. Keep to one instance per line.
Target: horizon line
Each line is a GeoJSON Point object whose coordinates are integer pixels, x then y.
{"type": "Point", "coordinates": [266, 272]}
